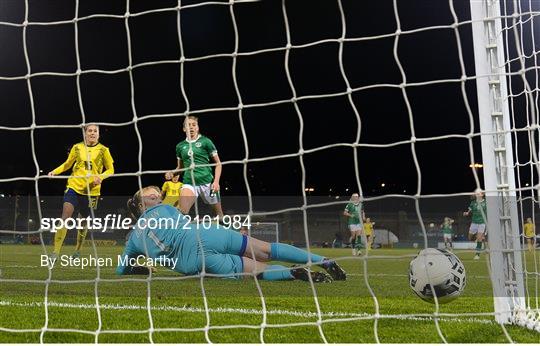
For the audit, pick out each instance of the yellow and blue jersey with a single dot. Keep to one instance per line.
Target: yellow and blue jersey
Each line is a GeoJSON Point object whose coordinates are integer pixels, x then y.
{"type": "Point", "coordinates": [368, 228]}
{"type": "Point", "coordinates": [172, 191]}
{"type": "Point", "coordinates": [529, 230]}
{"type": "Point", "coordinates": [87, 162]}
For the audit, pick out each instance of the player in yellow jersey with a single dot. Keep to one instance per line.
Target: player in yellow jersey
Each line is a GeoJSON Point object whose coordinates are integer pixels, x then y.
{"type": "Point", "coordinates": [530, 234]}
{"type": "Point", "coordinates": [92, 163]}
{"type": "Point", "coordinates": [170, 192]}
{"type": "Point", "coordinates": [368, 230]}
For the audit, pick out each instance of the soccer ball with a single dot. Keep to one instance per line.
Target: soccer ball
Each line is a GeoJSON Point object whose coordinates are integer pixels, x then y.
{"type": "Point", "coordinates": [440, 268]}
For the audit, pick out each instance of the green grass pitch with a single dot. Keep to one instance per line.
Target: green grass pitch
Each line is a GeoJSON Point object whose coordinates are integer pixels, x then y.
{"type": "Point", "coordinates": [177, 311]}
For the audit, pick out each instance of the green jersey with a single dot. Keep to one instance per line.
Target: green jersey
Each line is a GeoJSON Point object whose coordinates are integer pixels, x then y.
{"type": "Point", "coordinates": [479, 210]}
{"type": "Point", "coordinates": [447, 228]}
{"type": "Point", "coordinates": [198, 151]}
{"type": "Point", "coordinates": [355, 211]}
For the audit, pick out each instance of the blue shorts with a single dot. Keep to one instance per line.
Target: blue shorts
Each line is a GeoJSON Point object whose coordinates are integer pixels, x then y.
{"type": "Point", "coordinates": [81, 203]}
{"type": "Point", "coordinates": [222, 248]}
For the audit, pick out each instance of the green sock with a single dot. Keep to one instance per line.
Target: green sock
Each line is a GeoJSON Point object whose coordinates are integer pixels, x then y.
{"type": "Point", "coordinates": [478, 247]}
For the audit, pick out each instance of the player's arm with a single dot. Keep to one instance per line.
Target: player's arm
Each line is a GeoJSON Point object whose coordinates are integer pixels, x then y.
{"type": "Point", "coordinates": [468, 212]}
{"type": "Point", "coordinates": [346, 212]}
{"type": "Point", "coordinates": [169, 175]}
{"type": "Point", "coordinates": [66, 165]}
{"type": "Point", "coordinates": [124, 268]}
{"type": "Point", "coordinates": [217, 172]}
{"type": "Point", "coordinates": [108, 163]}
{"type": "Point", "coordinates": [164, 190]}
{"type": "Point", "coordinates": [212, 152]}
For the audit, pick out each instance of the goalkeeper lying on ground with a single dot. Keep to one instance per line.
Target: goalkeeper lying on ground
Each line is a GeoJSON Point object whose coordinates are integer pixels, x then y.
{"type": "Point", "coordinates": [224, 251]}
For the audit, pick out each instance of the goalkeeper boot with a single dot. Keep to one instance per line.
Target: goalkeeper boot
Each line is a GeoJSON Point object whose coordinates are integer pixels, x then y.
{"type": "Point", "coordinates": [304, 274]}
{"type": "Point", "coordinates": [76, 254]}
{"type": "Point", "coordinates": [336, 272]}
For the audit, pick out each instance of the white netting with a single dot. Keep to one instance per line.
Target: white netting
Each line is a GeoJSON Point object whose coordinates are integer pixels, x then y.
{"type": "Point", "coordinates": [518, 27]}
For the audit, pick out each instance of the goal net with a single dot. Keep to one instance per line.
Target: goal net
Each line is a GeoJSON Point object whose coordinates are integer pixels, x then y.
{"type": "Point", "coordinates": [307, 102]}
{"type": "Point", "coordinates": [267, 231]}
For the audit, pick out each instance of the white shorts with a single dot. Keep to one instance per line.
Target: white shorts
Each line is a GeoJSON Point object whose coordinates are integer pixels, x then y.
{"type": "Point", "coordinates": [447, 236]}
{"type": "Point", "coordinates": [356, 227]}
{"type": "Point", "coordinates": [204, 192]}
{"type": "Point", "coordinates": [477, 228]}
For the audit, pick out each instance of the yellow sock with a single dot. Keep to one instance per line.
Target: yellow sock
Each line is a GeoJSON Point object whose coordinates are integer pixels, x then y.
{"type": "Point", "coordinates": [59, 239]}
{"type": "Point", "coordinates": [81, 235]}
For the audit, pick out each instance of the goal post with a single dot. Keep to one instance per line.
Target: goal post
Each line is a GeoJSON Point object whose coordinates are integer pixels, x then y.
{"type": "Point", "coordinates": [506, 267]}
{"type": "Point", "coordinates": [267, 231]}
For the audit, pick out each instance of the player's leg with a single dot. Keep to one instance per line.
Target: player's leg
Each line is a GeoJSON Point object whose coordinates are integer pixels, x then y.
{"type": "Point", "coordinates": [480, 236]}
{"type": "Point", "coordinates": [352, 238]}
{"type": "Point", "coordinates": [68, 208]}
{"type": "Point", "coordinates": [187, 198]}
{"type": "Point", "coordinates": [232, 266]}
{"type": "Point", "coordinates": [211, 198]}
{"type": "Point", "coordinates": [225, 241]}
{"type": "Point", "coordinates": [361, 239]}
{"type": "Point", "coordinates": [530, 243]}
{"type": "Point", "coordinates": [473, 230]}
{"type": "Point", "coordinates": [276, 272]}
{"type": "Point", "coordinates": [264, 251]}
{"type": "Point", "coordinates": [87, 207]}
{"type": "Point", "coordinates": [369, 239]}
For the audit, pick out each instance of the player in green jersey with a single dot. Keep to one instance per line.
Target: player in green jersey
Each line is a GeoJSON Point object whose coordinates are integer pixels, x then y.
{"type": "Point", "coordinates": [355, 216]}
{"type": "Point", "coordinates": [478, 210]}
{"type": "Point", "coordinates": [195, 153]}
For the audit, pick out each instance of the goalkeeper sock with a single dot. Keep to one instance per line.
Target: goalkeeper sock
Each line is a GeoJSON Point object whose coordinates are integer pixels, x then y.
{"type": "Point", "coordinates": [272, 273]}
{"type": "Point", "coordinates": [288, 253]}
{"type": "Point", "coordinates": [59, 239]}
{"type": "Point", "coordinates": [81, 235]}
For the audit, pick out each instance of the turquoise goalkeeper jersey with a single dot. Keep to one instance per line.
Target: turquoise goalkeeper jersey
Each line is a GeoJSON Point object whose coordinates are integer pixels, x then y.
{"type": "Point", "coordinates": [189, 247]}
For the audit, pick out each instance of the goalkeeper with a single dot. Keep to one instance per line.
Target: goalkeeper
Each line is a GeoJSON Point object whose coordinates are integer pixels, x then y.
{"type": "Point", "coordinates": [219, 250]}
{"type": "Point", "coordinates": [88, 159]}
{"type": "Point", "coordinates": [198, 150]}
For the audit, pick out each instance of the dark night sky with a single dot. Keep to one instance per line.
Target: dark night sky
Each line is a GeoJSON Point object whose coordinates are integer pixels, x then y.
{"type": "Point", "coordinates": [273, 130]}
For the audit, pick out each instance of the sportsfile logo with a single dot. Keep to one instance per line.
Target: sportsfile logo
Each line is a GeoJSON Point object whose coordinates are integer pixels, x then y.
{"type": "Point", "coordinates": [114, 221]}
{"type": "Point", "coordinates": [109, 222]}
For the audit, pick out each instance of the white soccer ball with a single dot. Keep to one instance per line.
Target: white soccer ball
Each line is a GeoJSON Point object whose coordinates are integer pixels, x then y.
{"type": "Point", "coordinates": [439, 269]}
